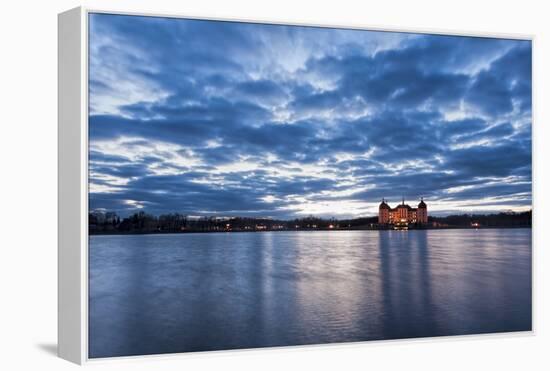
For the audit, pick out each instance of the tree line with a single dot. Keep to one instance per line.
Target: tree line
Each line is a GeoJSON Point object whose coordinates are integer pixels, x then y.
{"type": "Point", "coordinates": [504, 219]}
{"type": "Point", "coordinates": [141, 222]}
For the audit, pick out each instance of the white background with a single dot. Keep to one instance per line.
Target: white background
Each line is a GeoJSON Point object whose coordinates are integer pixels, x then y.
{"type": "Point", "coordinates": [28, 184]}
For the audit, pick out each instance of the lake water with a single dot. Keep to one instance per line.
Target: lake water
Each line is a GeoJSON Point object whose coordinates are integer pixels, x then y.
{"type": "Point", "coordinates": [194, 292]}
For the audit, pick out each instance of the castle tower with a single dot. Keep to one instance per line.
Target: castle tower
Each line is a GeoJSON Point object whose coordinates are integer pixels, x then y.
{"type": "Point", "coordinates": [383, 213]}
{"type": "Point", "coordinates": [422, 212]}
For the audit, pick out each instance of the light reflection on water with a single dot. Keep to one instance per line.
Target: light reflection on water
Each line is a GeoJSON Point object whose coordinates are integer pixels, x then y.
{"type": "Point", "coordinates": [192, 292]}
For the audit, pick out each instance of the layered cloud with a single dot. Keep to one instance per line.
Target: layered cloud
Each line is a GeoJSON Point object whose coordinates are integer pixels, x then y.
{"type": "Point", "coordinates": [203, 117]}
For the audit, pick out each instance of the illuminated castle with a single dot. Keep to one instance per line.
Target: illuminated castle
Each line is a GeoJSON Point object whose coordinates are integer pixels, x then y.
{"type": "Point", "coordinates": [402, 214]}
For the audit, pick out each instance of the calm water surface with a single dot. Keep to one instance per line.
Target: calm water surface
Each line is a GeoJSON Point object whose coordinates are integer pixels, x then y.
{"type": "Point", "coordinates": [193, 292]}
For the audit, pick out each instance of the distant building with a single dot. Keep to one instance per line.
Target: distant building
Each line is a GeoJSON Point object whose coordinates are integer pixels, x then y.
{"type": "Point", "coordinates": [403, 213]}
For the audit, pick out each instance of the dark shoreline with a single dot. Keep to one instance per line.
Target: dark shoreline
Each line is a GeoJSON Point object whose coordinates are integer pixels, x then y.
{"type": "Point", "coordinates": [119, 233]}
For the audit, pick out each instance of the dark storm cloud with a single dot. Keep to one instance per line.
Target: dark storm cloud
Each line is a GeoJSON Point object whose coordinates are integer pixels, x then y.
{"type": "Point", "coordinates": [436, 69]}
{"type": "Point", "coordinates": [501, 160]}
{"type": "Point", "coordinates": [263, 90]}
{"type": "Point", "coordinates": [508, 80]}
{"type": "Point", "coordinates": [198, 116]}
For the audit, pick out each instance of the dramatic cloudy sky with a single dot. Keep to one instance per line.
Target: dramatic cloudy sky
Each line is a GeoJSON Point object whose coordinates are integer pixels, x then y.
{"type": "Point", "coordinates": [203, 117]}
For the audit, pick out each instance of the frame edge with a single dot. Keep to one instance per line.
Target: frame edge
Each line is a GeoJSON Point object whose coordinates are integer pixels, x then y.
{"type": "Point", "coordinates": [71, 201]}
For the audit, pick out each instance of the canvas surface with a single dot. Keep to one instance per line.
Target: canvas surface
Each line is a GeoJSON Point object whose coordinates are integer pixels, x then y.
{"type": "Point", "coordinates": [258, 185]}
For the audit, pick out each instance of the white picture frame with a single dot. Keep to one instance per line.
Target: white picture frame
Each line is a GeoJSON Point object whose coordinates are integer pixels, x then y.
{"type": "Point", "coordinates": [73, 167]}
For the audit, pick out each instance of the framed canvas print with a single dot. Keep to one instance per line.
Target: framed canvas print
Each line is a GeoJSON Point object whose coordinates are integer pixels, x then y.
{"type": "Point", "coordinates": [230, 184]}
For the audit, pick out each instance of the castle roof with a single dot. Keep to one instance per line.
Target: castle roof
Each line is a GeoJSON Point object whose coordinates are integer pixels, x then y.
{"type": "Point", "coordinates": [384, 205]}
{"type": "Point", "coordinates": [403, 205]}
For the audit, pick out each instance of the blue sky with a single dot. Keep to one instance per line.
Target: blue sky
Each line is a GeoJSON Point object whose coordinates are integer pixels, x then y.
{"type": "Point", "coordinates": [204, 118]}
